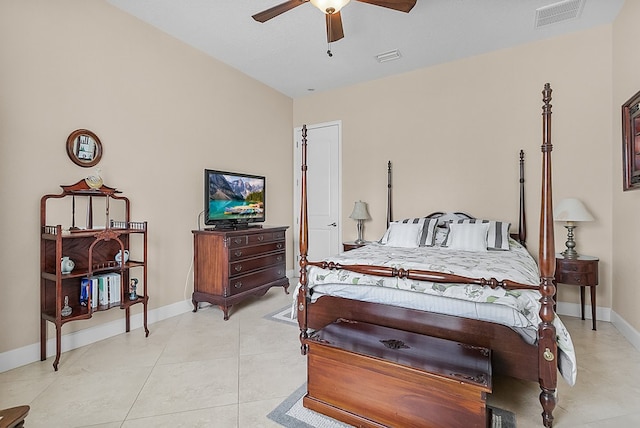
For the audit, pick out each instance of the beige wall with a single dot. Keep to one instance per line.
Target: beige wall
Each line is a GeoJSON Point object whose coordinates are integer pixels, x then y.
{"type": "Point", "coordinates": [626, 205]}
{"type": "Point", "coordinates": [163, 111]}
{"type": "Point", "coordinates": [453, 133]}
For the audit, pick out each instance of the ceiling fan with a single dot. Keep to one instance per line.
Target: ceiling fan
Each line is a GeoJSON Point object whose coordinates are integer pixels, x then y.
{"type": "Point", "coordinates": [331, 9]}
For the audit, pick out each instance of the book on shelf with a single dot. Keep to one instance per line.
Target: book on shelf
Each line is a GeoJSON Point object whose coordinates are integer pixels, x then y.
{"type": "Point", "coordinates": [85, 287]}
{"type": "Point", "coordinates": [89, 291]}
{"type": "Point", "coordinates": [104, 289]}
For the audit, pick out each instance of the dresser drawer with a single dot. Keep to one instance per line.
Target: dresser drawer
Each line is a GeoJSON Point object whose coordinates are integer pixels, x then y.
{"type": "Point", "coordinates": [577, 267]}
{"type": "Point", "coordinates": [243, 283]}
{"type": "Point", "coordinates": [248, 265]}
{"type": "Point", "coordinates": [259, 238]}
{"type": "Point", "coordinates": [237, 241]}
{"type": "Point", "coordinates": [575, 278]}
{"type": "Point", "coordinates": [245, 252]}
{"type": "Point", "coordinates": [255, 238]}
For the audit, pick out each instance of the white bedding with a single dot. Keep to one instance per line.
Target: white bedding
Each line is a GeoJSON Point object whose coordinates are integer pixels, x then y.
{"type": "Point", "coordinates": [517, 309]}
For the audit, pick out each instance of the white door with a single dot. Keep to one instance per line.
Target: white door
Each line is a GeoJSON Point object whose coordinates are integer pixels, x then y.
{"type": "Point", "coordinates": [324, 143]}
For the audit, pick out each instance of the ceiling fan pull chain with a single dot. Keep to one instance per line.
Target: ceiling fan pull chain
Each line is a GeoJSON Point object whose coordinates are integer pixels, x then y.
{"type": "Point", "coordinates": [328, 33]}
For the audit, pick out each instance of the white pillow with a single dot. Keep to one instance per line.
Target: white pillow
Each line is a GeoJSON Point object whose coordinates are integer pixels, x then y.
{"type": "Point", "coordinates": [428, 235]}
{"type": "Point", "coordinates": [405, 235]}
{"type": "Point", "coordinates": [468, 236]}
{"type": "Point", "coordinates": [417, 220]}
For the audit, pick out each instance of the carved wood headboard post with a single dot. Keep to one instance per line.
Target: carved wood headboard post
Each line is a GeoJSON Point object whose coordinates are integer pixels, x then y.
{"type": "Point", "coordinates": [522, 221]}
{"type": "Point", "coordinates": [547, 346]}
{"type": "Point", "coordinates": [304, 248]}
{"type": "Point", "coordinates": [389, 213]}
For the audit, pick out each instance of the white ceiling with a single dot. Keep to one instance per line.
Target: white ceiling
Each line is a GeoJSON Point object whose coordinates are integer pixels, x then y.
{"type": "Point", "coordinates": [288, 53]}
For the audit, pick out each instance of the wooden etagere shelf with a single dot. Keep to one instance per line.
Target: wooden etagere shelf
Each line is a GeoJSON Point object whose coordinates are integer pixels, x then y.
{"type": "Point", "coordinates": [93, 251]}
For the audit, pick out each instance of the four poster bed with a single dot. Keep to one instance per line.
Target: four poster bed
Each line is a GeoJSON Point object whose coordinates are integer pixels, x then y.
{"type": "Point", "coordinates": [498, 298]}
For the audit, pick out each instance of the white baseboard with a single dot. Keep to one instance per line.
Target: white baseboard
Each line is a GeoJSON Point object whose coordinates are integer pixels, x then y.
{"type": "Point", "coordinates": [31, 353]}
{"type": "Point", "coordinates": [602, 314]}
{"type": "Point", "coordinates": [630, 333]}
{"type": "Point", "coordinates": [573, 310]}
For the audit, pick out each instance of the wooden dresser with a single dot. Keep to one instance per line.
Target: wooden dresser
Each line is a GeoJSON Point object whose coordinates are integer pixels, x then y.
{"type": "Point", "coordinates": [231, 265]}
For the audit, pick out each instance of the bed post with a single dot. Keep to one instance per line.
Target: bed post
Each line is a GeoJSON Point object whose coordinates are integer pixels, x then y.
{"type": "Point", "coordinates": [389, 213]}
{"type": "Point", "coordinates": [547, 346]}
{"type": "Point", "coordinates": [522, 221]}
{"type": "Point", "coordinates": [304, 247]}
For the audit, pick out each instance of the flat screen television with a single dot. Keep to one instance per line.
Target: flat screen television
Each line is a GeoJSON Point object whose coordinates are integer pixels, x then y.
{"type": "Point", "coordinates": [233, 199]}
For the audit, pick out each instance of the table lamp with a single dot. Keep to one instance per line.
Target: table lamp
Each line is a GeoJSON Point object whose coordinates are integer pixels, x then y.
{"type": "Point", "coordinates": [571, 211]}
{"type": "Point", "coordinates": [360, 214]}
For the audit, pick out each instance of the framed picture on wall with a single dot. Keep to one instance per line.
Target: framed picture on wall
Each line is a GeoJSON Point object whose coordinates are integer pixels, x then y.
{"type": "Point", "coordinates": [631, 143]}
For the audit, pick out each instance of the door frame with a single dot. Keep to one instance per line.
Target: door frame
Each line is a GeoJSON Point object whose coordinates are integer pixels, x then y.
{"type": "Point", "coordinates": [297, 174]}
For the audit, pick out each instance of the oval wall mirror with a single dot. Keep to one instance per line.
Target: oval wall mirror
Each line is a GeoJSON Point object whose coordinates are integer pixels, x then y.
{"type": "Point", "coordinates": [84, 148]}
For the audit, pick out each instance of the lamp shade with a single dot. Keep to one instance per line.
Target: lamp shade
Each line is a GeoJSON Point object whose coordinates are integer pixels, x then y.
{"type": "Point", "coordinates": [325, 5]}
{"type": "Point", "coordinates": [360, 211]}
{"type": "Point", "coordinates": [571, 210]}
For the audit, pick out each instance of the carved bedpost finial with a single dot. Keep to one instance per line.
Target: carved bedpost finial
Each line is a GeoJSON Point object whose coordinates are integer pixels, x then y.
{"type": "Point", "coordinates": [304, 247]}
{"type": "Point", "coordinates": [522, 221]}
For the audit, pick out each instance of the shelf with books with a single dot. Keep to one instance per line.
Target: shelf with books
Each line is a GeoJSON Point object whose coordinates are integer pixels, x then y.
{"type": "Point", "coordinates": [74, 261]}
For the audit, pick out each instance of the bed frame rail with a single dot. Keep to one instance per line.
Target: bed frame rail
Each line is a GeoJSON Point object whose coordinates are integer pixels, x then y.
{"type": "Point", "coordinates": [424, 275]}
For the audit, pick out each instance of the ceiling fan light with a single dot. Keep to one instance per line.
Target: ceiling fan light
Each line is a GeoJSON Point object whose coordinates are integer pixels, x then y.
{"type": "Point", "coordinates": [325, 5]}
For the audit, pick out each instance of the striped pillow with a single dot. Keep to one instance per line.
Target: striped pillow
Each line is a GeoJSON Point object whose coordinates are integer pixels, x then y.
{"type": "Point", "coordinates": [427, 235]}
{"type": "Point", "coordinates": [498, 236]}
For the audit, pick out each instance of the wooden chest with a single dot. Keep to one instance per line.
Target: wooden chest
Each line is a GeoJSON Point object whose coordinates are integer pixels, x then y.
{"type": "Point", "coordinates": [373, 376]}
{"type": "Point", "coordinates": [231, 265]}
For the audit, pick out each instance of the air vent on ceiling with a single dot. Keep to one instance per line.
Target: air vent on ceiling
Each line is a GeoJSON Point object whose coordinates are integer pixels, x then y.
{"type": "Point", "coordinates": [388, 56]}
{"type": "Point", "coordinates": [558, 12]}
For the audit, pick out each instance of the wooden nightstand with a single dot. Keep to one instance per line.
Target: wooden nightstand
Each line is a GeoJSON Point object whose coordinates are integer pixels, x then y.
{"type": "Point", "coordinates": [583, 272]}
{"type": "Point", "coordinates": [351, 245]}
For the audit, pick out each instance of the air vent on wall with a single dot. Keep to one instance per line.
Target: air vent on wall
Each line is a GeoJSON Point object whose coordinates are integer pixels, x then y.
{"type": "Point", "coordinates": [388, 56]}
{"type": "Point", "coordinates": [558, 12]}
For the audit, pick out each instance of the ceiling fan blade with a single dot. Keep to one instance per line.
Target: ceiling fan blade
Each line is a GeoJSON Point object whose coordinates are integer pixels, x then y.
{"type": "Point", "coordinates": [399, 5]}
{"type": "Point", "coordinates": [334, 27]}
{"type": "Point", "coordinates": [274, 11]}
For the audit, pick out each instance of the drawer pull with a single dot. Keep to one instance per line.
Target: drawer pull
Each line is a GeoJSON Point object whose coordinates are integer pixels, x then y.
{"type": "Point", "coordinates": [260, 238]}
{"type": "Point", "coordinates": [238, 240]}
{"type": "Point", "coordinates": [279, 246]}
{"type": "Point", "coordinates": [238, 284]}
{"type": "Point", "coordinates": [238, 253]}
{"type": "Point", "coordinates": [279, 258]}
{"type": "Point", "coordinates": [238, 268]}
{"type": "Point", "coordinates": [280, 272]}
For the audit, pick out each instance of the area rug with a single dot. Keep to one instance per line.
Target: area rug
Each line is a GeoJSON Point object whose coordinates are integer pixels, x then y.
{"type": "Point", "coordinates": [292, 414]}
{"type": "Point", "coordinates": [282, 315]}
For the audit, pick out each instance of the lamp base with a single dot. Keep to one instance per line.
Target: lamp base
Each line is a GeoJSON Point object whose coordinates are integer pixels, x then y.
{"type": "Point", "coordinates": [360, 227]}
{"type": "Point", "coordinates": [570, 252]}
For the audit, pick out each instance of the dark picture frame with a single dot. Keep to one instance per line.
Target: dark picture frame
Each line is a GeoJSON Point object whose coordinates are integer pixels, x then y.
{"type": "Point", "coordinates": [84, 148]}
{"type": "Point", "coordinates": [631, 143]}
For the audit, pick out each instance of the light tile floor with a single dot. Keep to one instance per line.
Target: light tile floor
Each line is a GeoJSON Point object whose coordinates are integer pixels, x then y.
{"type": "Point", "coordinates": [196, 370]}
